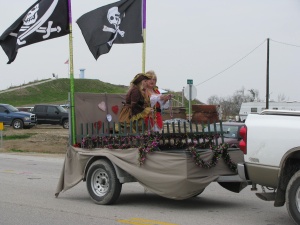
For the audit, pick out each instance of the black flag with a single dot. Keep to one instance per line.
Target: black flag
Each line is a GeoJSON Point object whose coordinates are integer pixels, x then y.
{"type": "Point", "coordinates": [44, 20]}
{"type": "Point", "coordinates": [119, 22]}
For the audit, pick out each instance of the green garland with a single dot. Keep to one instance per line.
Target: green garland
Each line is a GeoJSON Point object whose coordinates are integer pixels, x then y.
{"type": "Point", "coordinates": [218, 152]}
{"type": "Point", "coordinates": [156, 142]}
{"type": "Point", "coordinates": [150, 146]}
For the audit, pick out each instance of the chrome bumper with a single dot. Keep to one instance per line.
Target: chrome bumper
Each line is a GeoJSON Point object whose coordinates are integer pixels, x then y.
{"type": "Point", "coordinates": [241, 171]}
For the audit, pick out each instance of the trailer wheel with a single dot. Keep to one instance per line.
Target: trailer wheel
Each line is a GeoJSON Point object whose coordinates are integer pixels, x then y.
{"type": "Point", "coordinates": [102, 182]}
{"type": "Point", "coordinates": [292, 197]}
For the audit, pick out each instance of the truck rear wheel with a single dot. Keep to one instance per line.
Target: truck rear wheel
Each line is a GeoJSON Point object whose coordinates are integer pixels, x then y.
{"type": "Point", "coordinates": [17, 124]}
{"type": "Point", "coordinates": [102, 182]}
{"type": "Point", "coordinates": [292, 197]}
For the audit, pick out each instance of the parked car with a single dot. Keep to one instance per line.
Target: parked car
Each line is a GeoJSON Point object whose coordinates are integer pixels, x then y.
{"type": "Point", "coordinates": [25, 109]}
{"type": "Point", "coordinates": [66, 106]}
{"type": "Point", "coordinates": [51, 114]}
{"type": "Point", "coordinates": [231, 132]}
{"type": "Point", "coordinates": [176, 120]}
{"type": "Point", "coordinates": [10, 115]}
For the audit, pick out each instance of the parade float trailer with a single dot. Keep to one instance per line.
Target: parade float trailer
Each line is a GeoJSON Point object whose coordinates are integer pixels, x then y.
{"type": "Point", "coordinates": [178, 163]}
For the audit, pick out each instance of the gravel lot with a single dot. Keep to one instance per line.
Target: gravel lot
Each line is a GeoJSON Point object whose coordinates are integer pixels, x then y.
{"type": "Point", "coordinates": [45, 139]}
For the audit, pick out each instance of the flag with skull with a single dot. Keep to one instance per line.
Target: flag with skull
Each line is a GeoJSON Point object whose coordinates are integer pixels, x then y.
{"type": "Point", "coordinates": [44, 20]}
{"type": "Point", "coordinates": [116, 23]}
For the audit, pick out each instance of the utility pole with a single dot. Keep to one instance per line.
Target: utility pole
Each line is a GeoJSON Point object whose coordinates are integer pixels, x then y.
{"type": "Point", "coordinates": [267, 80]}
{"type": "Point", "coordinates": [182, 97]}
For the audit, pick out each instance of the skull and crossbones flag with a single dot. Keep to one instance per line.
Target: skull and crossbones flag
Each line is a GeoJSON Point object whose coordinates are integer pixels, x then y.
{"type": "Point", "coordinates": [44, 20]}
{"type": "Point", "coordinates": [116, 23]}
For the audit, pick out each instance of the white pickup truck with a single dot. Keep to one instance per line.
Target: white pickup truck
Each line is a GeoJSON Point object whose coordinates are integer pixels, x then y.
{"type": "Point", "coordinates": [271, 143]}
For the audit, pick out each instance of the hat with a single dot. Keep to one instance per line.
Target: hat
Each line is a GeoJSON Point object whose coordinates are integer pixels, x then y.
{"type": "Point", "coordinates": [140, 77]}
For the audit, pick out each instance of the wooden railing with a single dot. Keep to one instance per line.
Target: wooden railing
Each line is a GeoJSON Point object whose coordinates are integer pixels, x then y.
{"type": "Point", "coordinates": [173, 134]}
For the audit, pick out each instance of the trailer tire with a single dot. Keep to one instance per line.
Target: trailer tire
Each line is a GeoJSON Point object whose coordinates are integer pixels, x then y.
{"type": "Point", "coordinates": [102, 182]}
{"type": "Point", "coordinates": [292, 196]}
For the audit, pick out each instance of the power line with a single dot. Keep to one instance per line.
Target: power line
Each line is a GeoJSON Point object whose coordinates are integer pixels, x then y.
{"type": "Point", "coordinates": [285, 43]}
{"type": "Point", "coordinates": [232, 64]}
{"type": "Point", "coordinates": [244, 58]}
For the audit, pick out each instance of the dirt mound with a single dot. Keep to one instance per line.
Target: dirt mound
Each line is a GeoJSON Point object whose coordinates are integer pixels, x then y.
{"type": "Point", "coordinates": [43, 139]}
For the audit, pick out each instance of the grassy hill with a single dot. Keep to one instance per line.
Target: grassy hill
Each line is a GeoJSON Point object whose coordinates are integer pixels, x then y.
{"type": "Point", "coordinates": [55, 91]}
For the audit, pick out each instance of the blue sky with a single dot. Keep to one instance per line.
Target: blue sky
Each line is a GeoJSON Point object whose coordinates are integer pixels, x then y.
{"type": "Point", "coordinates": [193, 39]}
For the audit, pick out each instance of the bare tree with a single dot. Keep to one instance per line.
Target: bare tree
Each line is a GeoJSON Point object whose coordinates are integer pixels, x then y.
{"type": "Point", "coordinates": [253, 94]}
{"type": "Point", "coordinates": [213, 100]}
{"type": "Point", "coordinates": [281, 97]}
{"type": "Point", "coordinates": [257, 95]}
{"type": "Point", "coordinates": [231, 105]}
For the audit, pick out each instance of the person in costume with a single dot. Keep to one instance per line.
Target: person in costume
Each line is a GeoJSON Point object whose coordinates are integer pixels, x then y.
{"type": "Point", "coordinates": [137, 105]}
{"type": "Point", "coordinates": [157, 101]}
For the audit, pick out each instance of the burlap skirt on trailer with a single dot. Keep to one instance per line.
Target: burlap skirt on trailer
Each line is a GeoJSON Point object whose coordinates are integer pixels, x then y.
{"type": "Point", "coordinates": [169, 174]}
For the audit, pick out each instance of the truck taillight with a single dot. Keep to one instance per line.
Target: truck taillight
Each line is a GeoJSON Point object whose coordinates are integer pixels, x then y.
{"type": "Point", "coordinates": [243, 142]}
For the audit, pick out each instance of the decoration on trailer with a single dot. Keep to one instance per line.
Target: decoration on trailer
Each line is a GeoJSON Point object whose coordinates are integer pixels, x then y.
{"type": "Point", "coordinates": [152, 142]}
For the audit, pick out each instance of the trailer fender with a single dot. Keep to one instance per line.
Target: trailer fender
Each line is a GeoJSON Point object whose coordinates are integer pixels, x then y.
{"type": "Point", "coordinates": [122, 175]}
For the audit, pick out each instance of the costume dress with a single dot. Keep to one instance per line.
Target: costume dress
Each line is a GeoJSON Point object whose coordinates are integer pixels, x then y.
{"type": "Point", "coordinates": [135, 107]}
{"type": "Point", "coordinates": [157, 104]}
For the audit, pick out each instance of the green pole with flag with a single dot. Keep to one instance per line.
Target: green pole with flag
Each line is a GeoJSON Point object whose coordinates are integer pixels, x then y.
{"type": "Point", "coordinates": [144, 37]}
{"type": "Point", "coordinates": [72, 102]}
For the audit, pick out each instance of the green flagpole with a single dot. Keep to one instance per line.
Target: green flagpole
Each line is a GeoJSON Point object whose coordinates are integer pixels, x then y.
{"type": "Point", "coordinates": [72, 105]}
{"type": "Point", "coordinates": [144, 37]}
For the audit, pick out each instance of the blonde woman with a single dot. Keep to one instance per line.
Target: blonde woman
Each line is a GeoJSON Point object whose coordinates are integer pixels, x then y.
{"type": "Point", "coordinates": [157, 101]}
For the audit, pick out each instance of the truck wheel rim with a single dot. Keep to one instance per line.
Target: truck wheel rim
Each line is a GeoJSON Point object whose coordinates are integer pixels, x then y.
{"type": "Point", "coordinates": [100, 182]}
{"type": "Point", "coordinates": [297, 199]}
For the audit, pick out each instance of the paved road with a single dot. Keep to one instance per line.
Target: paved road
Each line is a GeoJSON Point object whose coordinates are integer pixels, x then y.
{"type": "Point", "coordinates": [28, 184]}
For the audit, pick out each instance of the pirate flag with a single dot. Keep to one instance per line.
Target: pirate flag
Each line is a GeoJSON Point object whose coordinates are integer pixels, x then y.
{"type": "Point", "coordinates": [45, 19]}
{"type": "Point", "coordinates": [119, 22]}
